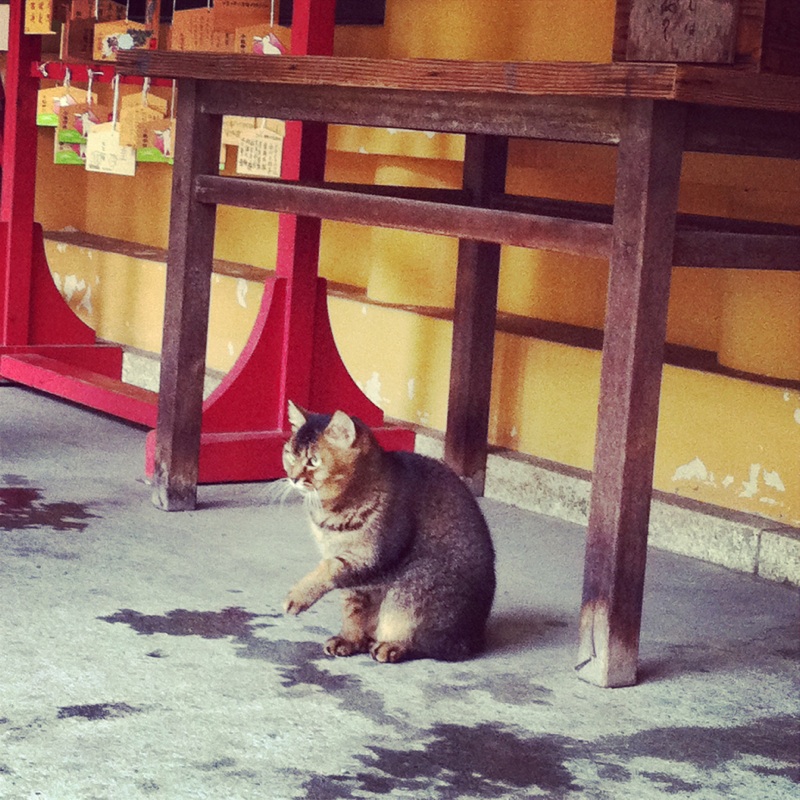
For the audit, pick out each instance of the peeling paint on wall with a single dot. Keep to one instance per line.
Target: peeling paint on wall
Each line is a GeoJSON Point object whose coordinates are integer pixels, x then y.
{"type": "Point", "coordinates": [72, 285]}
{"type": "Point", "coordinates": [750, 487]}
{"type": "Point", "coordinates": [773, 480]}
{"type": "Point", "coordinates": [241, 292]}
{"type": "Point", "coordinates": [695, 470]}
{"type": "Point", "coordinates": [86, 302]}
{"type": "Point", "coordinates": [372, 389]}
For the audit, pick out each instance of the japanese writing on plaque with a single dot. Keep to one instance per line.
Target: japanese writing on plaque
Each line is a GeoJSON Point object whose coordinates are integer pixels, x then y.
{"type": "Point", "coordinates": [682, 30]}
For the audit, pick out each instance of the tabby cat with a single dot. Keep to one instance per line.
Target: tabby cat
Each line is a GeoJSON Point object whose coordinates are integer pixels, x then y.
{"type": "Point", "coordinates": [399, 533]}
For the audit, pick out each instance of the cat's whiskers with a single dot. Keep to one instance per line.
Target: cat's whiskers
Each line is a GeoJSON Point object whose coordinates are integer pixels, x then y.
{"type": "Point", "coordinates": [280, 491]}
{"type": "Point", "coordinates": [312, 501]}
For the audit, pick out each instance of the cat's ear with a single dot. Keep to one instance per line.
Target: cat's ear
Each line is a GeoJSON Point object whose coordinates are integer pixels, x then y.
{"type": "Point", "coordinates": [341, 430]}
{"type": "Point", "coordinates": [297, 417]}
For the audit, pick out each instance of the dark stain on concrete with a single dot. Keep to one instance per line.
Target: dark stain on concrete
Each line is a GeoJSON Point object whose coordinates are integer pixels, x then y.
{"type": "Point", "coordinates": [12, 479]}
{"type": "Point", "coordinates": [300, 673]}
{"type": "Point", "coordinates": [217, 764]}
{"type": "Point", "coordinates": [775, 738]}
{"type": "Point", "coordinates": [613, 772]}
{"type": "Point", "coordinates": [671, 784]}
{"type": "Point", "coordinates": [98, 711]}
{"type": "Point", "coordinates": [326, 787]}
{"type": "Point", "coordinates": [486, 760]}
{"type": "Point", "coordinates": [234, 621]}
{"type": "Point", "coordinates": [22, 508]}
{"type": "Point", "coordinates": [506, 687]}
{"type": "Point", "coordinates": [791, 773]}
{"type": "Point", "coordinates": [491, 760]}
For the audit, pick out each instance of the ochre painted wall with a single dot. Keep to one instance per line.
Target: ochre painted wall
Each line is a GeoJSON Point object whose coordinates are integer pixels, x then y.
{"type": "Point", "coordinates": [728, 441]}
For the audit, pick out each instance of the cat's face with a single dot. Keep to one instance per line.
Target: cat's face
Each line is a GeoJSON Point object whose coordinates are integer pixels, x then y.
{"type": "Point", "coordinates": [320, 455]}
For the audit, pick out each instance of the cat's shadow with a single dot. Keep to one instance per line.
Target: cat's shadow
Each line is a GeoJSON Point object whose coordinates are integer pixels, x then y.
{"type": "Point", "coordinates": [524, 628]}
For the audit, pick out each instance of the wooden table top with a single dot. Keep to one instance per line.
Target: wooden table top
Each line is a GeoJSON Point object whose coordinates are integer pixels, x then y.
{"type": "Point", "coordinates": [716, 86]}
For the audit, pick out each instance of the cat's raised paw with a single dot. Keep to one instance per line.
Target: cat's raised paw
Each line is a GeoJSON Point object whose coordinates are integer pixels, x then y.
{"type": "Point", "coordinates": [389, 652]}
{"type": "Point", "coordinates": [339, 646]}
{"type": "Point", "coordinates": [295, 604]}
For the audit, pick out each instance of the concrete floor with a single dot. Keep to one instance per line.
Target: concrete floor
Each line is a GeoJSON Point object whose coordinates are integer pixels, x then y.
{"type": "Point", "coordinates": [143, 654]}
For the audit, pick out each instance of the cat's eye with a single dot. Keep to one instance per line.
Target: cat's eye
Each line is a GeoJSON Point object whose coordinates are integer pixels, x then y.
{"type": "Point", "coordinates": [314, 461]}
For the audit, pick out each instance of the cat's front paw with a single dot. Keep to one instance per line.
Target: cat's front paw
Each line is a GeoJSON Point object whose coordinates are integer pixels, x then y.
{"type": "Point", "coordinates": [297, 601]}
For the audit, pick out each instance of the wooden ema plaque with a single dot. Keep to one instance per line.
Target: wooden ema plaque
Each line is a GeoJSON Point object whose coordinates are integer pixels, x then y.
{"type": "Point", "coordinates": [757, 35]}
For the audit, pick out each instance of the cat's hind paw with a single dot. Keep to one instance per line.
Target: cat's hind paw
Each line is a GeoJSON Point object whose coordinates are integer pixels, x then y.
{"type": "Point", "coordinates": [339, 646]}
{"type": "Point", "coordinates": [390, 652]}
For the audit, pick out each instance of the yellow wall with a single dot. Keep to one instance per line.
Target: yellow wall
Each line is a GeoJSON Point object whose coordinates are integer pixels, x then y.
{"type": "Point", "coordinates": [722, 440]}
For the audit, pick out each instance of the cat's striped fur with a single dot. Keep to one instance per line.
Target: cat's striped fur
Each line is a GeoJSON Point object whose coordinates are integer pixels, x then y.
{"type": "Point", "coordinates": [400, 534]}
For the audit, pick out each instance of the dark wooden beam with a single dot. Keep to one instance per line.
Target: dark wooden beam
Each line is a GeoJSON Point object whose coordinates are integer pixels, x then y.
{"type": "Point", "coordinates": [448, 219]}
{"type": "Point", "coordinates": [474, 319]}
{"type": "Point", "coordinates": [189, 260]}
{"type": "Point", "coordinates": [648, 176]}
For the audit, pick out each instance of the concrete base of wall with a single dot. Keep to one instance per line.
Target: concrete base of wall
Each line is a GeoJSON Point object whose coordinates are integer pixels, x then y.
{"type": "Point", "coordinates": [742, 542]}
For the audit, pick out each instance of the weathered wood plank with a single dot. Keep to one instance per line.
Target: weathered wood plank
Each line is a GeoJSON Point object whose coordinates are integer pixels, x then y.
{"type": "Point", "coordinates": [743, 132]}
{"type": "Point", "coordinates": [415, 74]}
{"type": "Point", "coordinates": [694, 84]}
{"type": "Point", "coordinates": [742, 249]}
{"type": "Point", "coordinates": [569, 119]}
{"type": "Point", "coordinates": [474, 320]}
{"type": "Point", "coordinates": [189, 260]}
{"type": "Point", "coordinates": [648, 176]}
{"type": "Point", "coordinates": [484, 224]}
{"type": "Point", "coordinates": [565, 226]}
{"type": "Point", "coordinates": [715, 129]}
{"type": "Point", "coordinates": [737, 89]}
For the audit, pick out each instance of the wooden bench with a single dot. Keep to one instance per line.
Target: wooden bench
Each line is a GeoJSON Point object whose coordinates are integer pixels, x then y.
{"type": "Point", "coordinates": [653, 113]}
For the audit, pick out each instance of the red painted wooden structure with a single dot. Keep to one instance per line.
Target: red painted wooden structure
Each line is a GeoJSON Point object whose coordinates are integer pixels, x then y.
{"type": "Point", "coordinates": [291, 351]}
{"type": "Point", "coordinates": [37, 328]}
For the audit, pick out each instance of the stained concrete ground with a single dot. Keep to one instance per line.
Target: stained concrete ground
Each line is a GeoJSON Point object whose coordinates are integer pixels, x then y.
{"type": "Point", "coordinates": [144, 654]}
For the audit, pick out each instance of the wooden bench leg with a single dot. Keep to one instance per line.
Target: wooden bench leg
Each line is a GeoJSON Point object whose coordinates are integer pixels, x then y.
{"type": "Point", "coordinates": [189, 265]}
{"type": "Point", "coordinates": [648, 177]}
{"type": "Point", "coordinates": [474, 321]}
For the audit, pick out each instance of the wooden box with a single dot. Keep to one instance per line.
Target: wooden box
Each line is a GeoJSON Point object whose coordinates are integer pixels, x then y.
{"type": "Point", "coordinates": [757, 35]}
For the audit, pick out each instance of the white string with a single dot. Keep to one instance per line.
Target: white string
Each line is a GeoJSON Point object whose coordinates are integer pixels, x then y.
{"type": "Point", "coordinates": [145, 91]}
{"type": "Point", "coordinates": [89, 87]}
{"type": "Point", "coordinates": [67, 78]}
{"type": "Point", "coordinates": [115, 84]}
{"type": "Point", "coordinates": [272, 14]}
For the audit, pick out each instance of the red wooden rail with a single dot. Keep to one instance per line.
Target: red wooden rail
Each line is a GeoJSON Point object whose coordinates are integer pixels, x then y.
{"type": "Point", "coordinates": [290, 353]}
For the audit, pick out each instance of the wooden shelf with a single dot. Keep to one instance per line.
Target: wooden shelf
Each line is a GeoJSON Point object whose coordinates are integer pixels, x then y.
{"type": "Point", "coordinates": [142, 252]}
{"type": "Point", "coordinates": [716, 86]}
